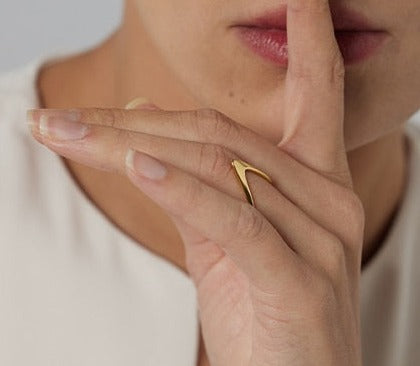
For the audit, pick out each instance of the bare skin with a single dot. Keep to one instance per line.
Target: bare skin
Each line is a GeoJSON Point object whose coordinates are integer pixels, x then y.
{"type": "Point", "coordinates": [109, 83]}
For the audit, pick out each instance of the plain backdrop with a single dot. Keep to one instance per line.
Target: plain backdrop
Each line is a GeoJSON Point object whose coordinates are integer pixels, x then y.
{"type": "Point", "coordinates": [31, 28]}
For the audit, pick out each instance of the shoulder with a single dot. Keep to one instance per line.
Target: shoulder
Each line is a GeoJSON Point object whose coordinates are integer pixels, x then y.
{"type": "Point", "coordinates": [25, 165]}
{"type": "Point", "coordinates": [15, 82]}
{"type": "Point", "coordinates": [412, 129]}
{"type": "Point", "coordinates": [17, 94]}
{"type": "Point", "coordinates": [19, 89]}
{"type": "Point", "coordinates": [413, 124]}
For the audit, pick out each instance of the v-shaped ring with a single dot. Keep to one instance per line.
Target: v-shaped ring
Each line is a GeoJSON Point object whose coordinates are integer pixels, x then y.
{"type": "Point", "coordinates": [240, 168]}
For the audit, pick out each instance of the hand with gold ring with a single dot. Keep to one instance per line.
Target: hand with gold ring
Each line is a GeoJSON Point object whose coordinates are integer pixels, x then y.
{"type": "Point", "coordinates": [277, 281]}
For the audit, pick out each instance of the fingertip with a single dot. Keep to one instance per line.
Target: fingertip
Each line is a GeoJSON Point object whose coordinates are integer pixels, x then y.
{"type": "Point", "coordinates": [141, 103]}
{"type": "Point", "coordinates": [32, 117]}
{"type": "Point", "coordinates": [310, 31]}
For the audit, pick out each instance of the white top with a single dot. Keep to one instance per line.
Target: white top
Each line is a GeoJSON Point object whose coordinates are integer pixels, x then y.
{"type": "Point", "coordinates": [75, 290]}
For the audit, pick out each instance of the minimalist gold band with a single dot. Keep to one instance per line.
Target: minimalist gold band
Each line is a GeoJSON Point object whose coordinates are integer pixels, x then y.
{"type": "Point", "coordinates": [240, 168]}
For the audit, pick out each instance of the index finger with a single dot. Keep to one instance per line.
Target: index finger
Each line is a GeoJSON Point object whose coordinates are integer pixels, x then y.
{"type": "Point", "coordinates": [314, 88]}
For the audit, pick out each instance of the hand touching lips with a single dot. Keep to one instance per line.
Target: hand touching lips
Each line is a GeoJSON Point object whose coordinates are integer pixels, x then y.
{"type": "Point", "coordinates": [266, 35]}
{"type": "Point", "coordinates": [267, 277]}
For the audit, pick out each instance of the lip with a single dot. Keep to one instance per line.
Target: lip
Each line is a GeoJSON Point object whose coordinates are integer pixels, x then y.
{"type": "Point", "coordinates": [266, 34]}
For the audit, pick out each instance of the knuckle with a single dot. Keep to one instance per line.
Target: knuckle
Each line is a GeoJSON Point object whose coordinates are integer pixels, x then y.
{"type": "Point", "coordinates": [354, 216]}
{"type": "Point", "coordinates": [249, 224]}
{"type": "Point", "coordinates": [201, 122]}
{"type": "Point", "coordinates": [356, 209]}
{"type": "Point", "coordinates": [340, 176]}
{"type": "Point", "coordinates": [110, 117]}
{"type": "Point", "coordinates": [330, 69]}
{"type": "Point", "coordinates": [214, 161]}
{"type": "Point", "coordinates": [184, 119]}
{"type": "Point", "coordinates": [334, 259]}
{"type": "Point", "coordinates": [207, 114]}
{"type": "Point", "coordinates": [215, 126]}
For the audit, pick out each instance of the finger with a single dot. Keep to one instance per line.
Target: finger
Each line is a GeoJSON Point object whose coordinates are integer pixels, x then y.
{"type": "Point", "coordinates": [105, 148]}
{"type": "Point", "coordinates": [240, 230]}
{"type": "Point", "coordinates": [208, 126]}
{"type": "Point", "coordinates": [315, 90]}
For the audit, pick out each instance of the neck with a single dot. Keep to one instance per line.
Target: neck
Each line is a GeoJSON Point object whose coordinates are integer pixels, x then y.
{"type": "Point", "coordinates": [379, 174]}
{"type": "Point", "coordinates": [127, 65]}
{"type": "Point", "coordinates": [135, 53]}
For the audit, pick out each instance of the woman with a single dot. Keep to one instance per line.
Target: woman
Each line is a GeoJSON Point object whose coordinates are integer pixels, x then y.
{"type": "Point", "coordinates": [167, 257]}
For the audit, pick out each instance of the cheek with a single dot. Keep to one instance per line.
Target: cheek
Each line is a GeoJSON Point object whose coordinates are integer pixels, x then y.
{"type": "Point", "coordinates": [220, 73]}
{"type": "Point", "coordinates": [203, 52]}
{"type": "Point", "coordinates": [384, 93]}
{"type": "Point", "coordinates": [211, 63]}
{"type": "Point", "coordinates": [183, 36]}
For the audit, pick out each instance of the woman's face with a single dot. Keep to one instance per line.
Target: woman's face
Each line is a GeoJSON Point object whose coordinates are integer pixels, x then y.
{"type": "Point", "coordinates": [197, 39]}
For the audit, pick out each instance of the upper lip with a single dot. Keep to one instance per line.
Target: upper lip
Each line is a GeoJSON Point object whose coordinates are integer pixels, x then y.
{"type": "Point", "coordinates": [344, 19]}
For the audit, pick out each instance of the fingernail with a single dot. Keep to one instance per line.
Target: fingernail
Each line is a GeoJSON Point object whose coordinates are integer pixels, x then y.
{"type": "Point", "coordinates": [145, 165]}
{"type": "Point", "coordinates": [141, 103]}
{"type": "Point", "coordinates": [33, 116]}
{"type": "Point", "coordinates": [62, 129]}
{"type": "Point", "coordinates": [30, 117]}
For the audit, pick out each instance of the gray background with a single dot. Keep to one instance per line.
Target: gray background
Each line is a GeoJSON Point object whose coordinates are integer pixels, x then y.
{"type": "Point", "coordinates": [32, 28]}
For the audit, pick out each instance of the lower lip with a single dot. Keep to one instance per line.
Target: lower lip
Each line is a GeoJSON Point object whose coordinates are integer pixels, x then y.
{"type": "Point", "coordinates": [271, 44]}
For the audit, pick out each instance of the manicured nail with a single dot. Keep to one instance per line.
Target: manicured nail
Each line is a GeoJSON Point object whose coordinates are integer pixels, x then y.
{"type": "Point", "coordinates": [30, 118]}
{"type": "Point", "coordinates": [33, 116]}
{"type": "Point", "coordinates": [145, 165]}
{"type": "Point", "coordinates": [62, 129]}
{"type": "Point", "coordinates": [141, 103]}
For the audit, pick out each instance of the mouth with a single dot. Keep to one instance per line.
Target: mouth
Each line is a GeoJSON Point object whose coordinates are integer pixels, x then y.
{"type": "Point", "coordinates": [266, 35]}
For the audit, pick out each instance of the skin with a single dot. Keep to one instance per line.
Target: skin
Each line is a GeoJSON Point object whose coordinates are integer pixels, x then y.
{"type": "Point", "coordinates": [371, 127]}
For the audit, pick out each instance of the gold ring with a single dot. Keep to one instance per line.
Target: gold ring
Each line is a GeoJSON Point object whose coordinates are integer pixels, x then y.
{"type": "Point", "coordinates": [240, 168]}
